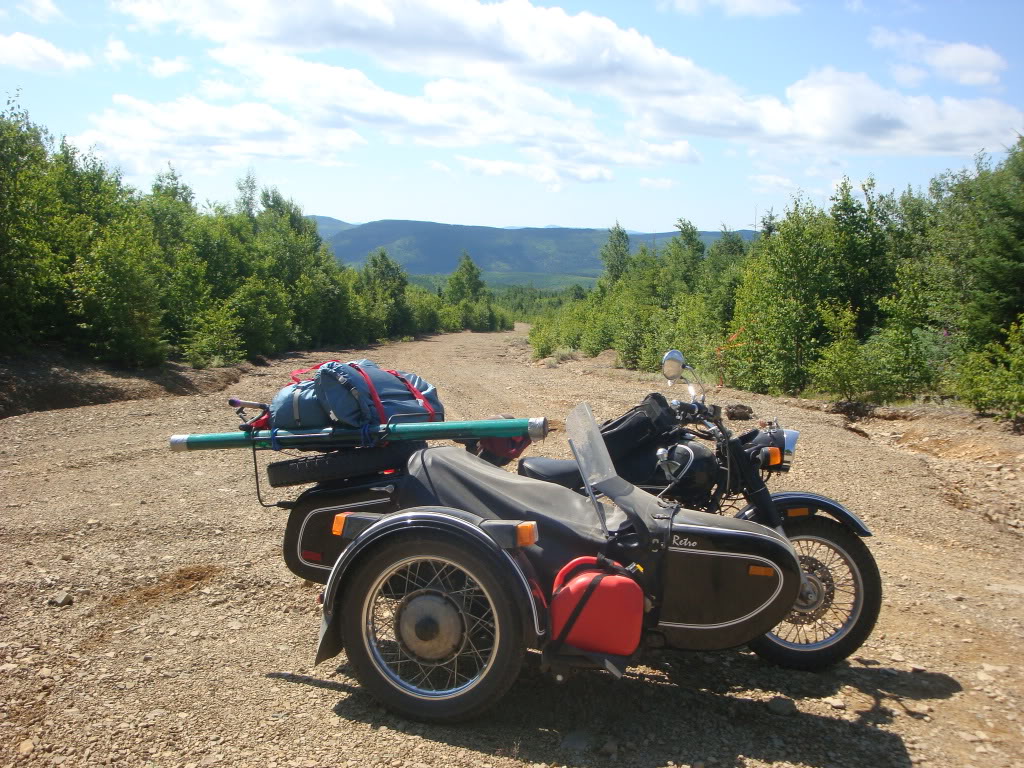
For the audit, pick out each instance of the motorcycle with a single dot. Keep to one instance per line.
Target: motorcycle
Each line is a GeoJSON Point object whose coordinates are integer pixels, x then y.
{"type": "Point", "coordinates": [441, 569]}
{"type": "Point", "coordinates": [659, 447]}
{"type": "Point", "coordinates": [436, 604]}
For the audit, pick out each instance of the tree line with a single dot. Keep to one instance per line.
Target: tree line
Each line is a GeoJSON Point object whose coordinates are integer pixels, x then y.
{"type": "Point", "coordinates": [874, 297]}
{"type": "Point", "coordinates": [134, 277]}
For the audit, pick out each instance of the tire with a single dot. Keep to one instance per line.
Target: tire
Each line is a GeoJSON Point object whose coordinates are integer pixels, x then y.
{"type": "Point", "coordinates": [341, 465]}
{"type": "Point", "coordinates": [418, 608]}
{"type": "Point", "coordinates": [833, 557]}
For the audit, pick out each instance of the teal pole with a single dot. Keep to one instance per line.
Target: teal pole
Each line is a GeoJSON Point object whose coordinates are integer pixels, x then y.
{"type": "Point", "coordinates": [328, 438]}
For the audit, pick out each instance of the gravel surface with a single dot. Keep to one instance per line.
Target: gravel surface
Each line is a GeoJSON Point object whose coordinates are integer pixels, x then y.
{"type": "Point", "coordinates": [147, 618]}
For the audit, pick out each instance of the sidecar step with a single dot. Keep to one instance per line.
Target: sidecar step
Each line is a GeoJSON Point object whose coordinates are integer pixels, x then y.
{"type": "Point", "coordinates": [342, 464]}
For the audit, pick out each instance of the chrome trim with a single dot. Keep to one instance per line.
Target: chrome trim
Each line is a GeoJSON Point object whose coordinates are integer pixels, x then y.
{"type": "Point", "coordinates": [317, 511]}
{"type": "Point", "coordinates": [179, 443]}
{"type": "Point", "coordinates": [537, 428]}
{"type": "Point", "coordinates": [789, 436]}
{"type": "Point", "coordinates": [740, 620]}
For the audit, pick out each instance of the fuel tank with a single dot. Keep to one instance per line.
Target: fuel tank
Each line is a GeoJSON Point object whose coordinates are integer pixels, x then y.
{"type": "Point", "coordinates": [725, 581]}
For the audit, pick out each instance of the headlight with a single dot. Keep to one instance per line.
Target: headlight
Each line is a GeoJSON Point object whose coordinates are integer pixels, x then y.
{"type": "Point", "coordinates": [789, 438]}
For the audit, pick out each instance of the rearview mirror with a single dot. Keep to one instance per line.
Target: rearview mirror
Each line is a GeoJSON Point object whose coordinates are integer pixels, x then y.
{"type": "Point", "coordinates": [672, 365]}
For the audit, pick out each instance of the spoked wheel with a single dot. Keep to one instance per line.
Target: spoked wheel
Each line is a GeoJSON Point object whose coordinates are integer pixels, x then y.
{"type": "Point", "coordinates": [837, 605]}
{"type": "Point", "coordinates": [431, 631]}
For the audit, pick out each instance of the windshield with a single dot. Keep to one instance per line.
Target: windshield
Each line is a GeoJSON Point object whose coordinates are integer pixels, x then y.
{"type": "Point", "coordinates": [591, 452]}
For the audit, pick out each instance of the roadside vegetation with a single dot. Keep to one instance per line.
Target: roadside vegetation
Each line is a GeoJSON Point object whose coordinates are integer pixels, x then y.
{"type": "Point", "coordinates": [131, 277]}
{"type": "Point", "coordinates": [875, 298]}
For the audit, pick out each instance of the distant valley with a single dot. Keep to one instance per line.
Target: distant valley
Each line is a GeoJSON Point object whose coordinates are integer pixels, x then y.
{"type": "Point", "coordinates": [505, 255]}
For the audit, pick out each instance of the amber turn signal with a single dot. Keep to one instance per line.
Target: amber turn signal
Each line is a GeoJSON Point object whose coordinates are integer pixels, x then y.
{"type": "Point", "coordinates": [774, 456]}
{"type": "Point", "coordinates": [526, 534]}
{"type": "Point", "coordinates": [338, 526]}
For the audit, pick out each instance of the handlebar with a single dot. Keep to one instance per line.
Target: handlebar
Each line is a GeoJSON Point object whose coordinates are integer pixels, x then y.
{"type": "Point", "coordinates": [234, 402]}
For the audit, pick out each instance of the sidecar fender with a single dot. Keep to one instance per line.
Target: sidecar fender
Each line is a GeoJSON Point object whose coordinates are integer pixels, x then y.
{"type": "Point", "coordinates": [796, 500]}
{"type": "Point", "coordinates": [461, 525]}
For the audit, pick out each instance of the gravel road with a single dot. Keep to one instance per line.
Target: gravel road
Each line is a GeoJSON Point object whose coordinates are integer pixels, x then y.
{"type": "Point", "coordinates": [184, 641]}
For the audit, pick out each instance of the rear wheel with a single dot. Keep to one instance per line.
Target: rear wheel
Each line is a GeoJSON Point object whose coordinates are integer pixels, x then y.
{"type": "Point", "coordinates": [838, 603]}
{"type": "Point", "coordinates": [431, 630]}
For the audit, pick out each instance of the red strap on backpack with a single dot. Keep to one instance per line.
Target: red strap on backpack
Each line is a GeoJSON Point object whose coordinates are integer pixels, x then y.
{"type": "Point", "coordinates": [297, 373]}
{"type": "Point", "coordinates": [381, 415]}
{"type": "Point", "coordinates": [415, 393]}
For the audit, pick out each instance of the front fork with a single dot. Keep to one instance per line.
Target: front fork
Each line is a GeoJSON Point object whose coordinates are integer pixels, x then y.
{"type": "Point", "coordinates": [760, 498]}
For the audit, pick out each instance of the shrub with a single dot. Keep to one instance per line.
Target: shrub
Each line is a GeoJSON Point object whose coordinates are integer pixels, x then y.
{"type": "Point", "coordinates": [213, 340]}
{"type": "Point", "coordinates": [992, 379]}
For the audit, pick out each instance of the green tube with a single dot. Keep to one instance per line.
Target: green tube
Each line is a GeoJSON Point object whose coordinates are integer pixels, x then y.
{"type": "Point", "coordinates": [328, 438]}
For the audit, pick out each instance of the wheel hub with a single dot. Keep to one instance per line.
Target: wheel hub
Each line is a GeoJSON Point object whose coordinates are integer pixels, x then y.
{"type": "Point", "coordinates": [816, 593]}
{"type": "Point", "coordinates": [429, 626]}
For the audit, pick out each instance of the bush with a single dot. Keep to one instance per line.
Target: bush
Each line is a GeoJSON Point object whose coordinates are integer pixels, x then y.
{"type": "Point", "coordinates": [841, 368]}
{"type": "Point", "coordinates": [992, 380]}
{"type": "Point", "coordinates": [213, 340]}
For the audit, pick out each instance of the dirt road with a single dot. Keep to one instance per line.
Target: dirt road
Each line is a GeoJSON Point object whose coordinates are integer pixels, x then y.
{"type": "Point", "coordinates": [189, 643]}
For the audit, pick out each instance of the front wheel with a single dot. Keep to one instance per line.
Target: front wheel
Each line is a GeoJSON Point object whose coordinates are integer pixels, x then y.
{"type": "Point", "coordinates": [838, 603]}
{"type": "Point", "coordinates": [431, 630]}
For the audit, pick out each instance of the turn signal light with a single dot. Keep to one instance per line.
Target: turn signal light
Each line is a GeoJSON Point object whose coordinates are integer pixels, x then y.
{"type": "Point", "coordinates": [526, 534]}
{"type": "Point", "coordinates": [774, 456]}
{"type": "Point", "coordinates": [338, 526]}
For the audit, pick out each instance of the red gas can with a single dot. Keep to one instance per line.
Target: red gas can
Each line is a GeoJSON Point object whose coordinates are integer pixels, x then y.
{"type": "Point", "coordinates": [611, 618]}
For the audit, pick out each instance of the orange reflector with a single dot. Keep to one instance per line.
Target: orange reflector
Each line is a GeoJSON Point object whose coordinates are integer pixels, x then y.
{"type": "Point", "coordinates": [526, 534]}
{"type": "Point", "coordinates": [338, 526]}
{"type": "Point", "coordinates": [798, 512]}
{"type": "Point", "coordinates": [759, 570]}
{"type": "Point", "coordinates": [774, 456]}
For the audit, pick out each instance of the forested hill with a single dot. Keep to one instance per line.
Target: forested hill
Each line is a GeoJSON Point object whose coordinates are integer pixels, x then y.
{"type": "Point", "coordinates": [425, 247]}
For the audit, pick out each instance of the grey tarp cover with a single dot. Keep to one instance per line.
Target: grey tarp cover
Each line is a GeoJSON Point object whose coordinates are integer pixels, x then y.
{"type": "Point", "coordinates": [567, 522]}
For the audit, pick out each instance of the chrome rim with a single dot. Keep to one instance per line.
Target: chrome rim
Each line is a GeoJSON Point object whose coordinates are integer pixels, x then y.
{"type": "Point", "coordinates": [830, 601]}
{"type": "Point", "coordinates": [430, 628]}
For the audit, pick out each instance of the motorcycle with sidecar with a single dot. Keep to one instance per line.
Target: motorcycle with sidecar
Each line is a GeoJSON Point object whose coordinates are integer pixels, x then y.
{"type": "Point", "coordinates": [442, 569]}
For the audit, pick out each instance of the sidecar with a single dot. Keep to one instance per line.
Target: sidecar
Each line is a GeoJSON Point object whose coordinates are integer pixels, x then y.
{"type": "Point", "coordinates": [436, 604]}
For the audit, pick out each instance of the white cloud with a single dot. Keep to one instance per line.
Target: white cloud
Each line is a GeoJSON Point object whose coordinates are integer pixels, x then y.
{"type": "Point", "coordinates": [908, 75]}
{"type": "Point", "coordinates": [736, 7]}
{"type": "Point", "coordinates": [436, 165]}
{"type": "Point", "coordinates": [168, 67]}
{"type": "Point", "coordinates": [767, 183]}
{"type": "Point", "coordinates": [854, 6]}
{"type": "Point", "coordinates": [198, 137]}
{"type": "Point", "coordinates": [219, 90]}
{"type": "Point", "coordinates": [42, 11]}
{"type": "Point", "coordinates": [116, 52]}
{"type": "Point", "coordinates": [487, 68]}
{"type": "Point", "coordinates": [23, 51]}
{"type": "Point", "coordinates": [535, 171]}
{"type": "Point", "coordinates": [962, 63]}
{"type": "Point", "coordinates": [659, 183]}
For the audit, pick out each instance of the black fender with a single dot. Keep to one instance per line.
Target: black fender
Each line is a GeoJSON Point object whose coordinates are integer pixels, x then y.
{"type": "Point", "coordinates": [457, 523]}
{"type": "Point", "coordinates": [814, 503]}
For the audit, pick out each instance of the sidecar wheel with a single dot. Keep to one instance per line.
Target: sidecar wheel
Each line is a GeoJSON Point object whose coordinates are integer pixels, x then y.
{"type": "Point", "coordinates": [838, 613]}
{"type": "Point", "coordinates": [431, 630]}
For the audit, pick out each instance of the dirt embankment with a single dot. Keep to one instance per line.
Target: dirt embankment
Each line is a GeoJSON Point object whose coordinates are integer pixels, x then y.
{"type": "Point", "coordinates": [187, 643]}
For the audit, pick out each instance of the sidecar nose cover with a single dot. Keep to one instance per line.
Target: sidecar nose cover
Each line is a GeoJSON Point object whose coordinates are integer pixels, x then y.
{"type": "Point", "coordinates": [567, 522]}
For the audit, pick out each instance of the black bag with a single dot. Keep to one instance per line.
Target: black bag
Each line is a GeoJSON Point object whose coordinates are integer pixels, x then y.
{"type": "Point", "coordinates": [641, 426]}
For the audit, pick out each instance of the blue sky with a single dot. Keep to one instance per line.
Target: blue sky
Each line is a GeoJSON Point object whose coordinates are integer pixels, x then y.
{"type": "Point", "coordinates": [524, 112]}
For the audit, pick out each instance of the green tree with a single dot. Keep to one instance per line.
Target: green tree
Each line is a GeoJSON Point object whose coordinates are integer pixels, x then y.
{"type": "Point", "coordinates": [465, 283]}
{"type": "Point", "coordinates": [118, 295]}
{"type": "Point", "coordinates": [615, 254]}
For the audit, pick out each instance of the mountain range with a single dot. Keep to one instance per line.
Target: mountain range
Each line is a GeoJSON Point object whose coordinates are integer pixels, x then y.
{"type": "Point", "coordinates": [426, 247]}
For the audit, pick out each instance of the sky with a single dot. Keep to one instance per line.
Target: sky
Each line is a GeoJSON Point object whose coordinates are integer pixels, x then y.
{"type": "Point", "coordinates": [576, 113]}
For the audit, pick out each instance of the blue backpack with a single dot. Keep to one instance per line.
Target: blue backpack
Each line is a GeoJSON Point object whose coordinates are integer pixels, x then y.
{"type": "Point", "coordinates": [353, 395]}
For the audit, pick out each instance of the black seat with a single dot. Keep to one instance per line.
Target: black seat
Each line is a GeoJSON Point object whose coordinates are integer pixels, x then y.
{"type": "Point", "coordinates": [564, 472]}
{"type": "Point", "coordinates": [567, 523]}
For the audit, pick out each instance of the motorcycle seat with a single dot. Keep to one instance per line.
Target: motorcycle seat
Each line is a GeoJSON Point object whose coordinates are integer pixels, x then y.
{"type": "Point", "coordinates": [562, 472]}
{"type": "Point", "coordinates": [567, 522]}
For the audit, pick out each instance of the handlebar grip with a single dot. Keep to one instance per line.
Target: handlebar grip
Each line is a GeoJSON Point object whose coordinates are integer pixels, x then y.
{"type": "Point", "coordinates": [691, 409]}
{"type": "Point", "coordinates": [234, 402]}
